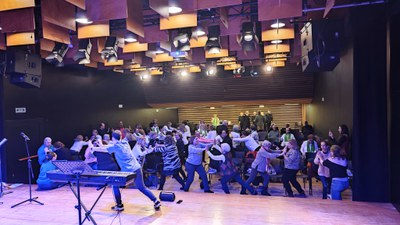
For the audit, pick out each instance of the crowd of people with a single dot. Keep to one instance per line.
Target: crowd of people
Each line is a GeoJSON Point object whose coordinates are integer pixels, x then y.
{"type": "Point", "coordinates": [181, 151]}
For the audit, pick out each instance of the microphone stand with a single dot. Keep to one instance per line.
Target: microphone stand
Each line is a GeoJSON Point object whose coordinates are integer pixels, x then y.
{"type": "Point", "coordinates": [30, 176]}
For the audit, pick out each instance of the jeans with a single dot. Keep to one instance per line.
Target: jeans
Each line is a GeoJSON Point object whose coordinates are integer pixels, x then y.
{"type": "Point", "coordinates": [337, 187]}
{"type": "Point", "coordinates": [289, 175]}
{"type": "Point", "coordinates": [139, 185]}
{"type": "Point", "coordinates": [253, 175]}
{"type": "Point", "coordinates": [190, 169]}
{"type": "Point", "coordinates": [225, 179]}
{"type": "Point", "coordinates": [326, 186]}
{"type": "Point", "coordinates": [175, 174]}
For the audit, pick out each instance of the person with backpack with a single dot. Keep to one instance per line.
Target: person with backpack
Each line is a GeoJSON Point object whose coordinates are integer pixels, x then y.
{"type": "Point", "coordinates": [227, 169]}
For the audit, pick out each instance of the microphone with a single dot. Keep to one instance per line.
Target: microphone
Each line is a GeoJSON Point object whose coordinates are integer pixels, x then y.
{"type": "Point", "coordinates": [25, 137]}
{"type": "Point", "coordinates": [3, 141]}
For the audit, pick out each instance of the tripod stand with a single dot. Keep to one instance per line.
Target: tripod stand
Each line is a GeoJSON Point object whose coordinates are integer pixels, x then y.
{"type": "Point", "coordinates": [30, 175]}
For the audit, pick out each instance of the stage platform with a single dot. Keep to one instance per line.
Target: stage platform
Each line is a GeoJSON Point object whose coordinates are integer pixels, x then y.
{"type": "Point", "coordinates": [196, 208]}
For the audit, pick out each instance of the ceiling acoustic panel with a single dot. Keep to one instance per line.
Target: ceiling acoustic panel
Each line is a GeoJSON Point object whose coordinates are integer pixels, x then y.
{"type": "Point", "coordinates": [78, 3]}
{"type": "Point", "coordinates": [24, 38]}
{"type": "Point", "coordinates": [59, 12]}
{"type": "Point", "coordinates": [135, 47]}
{"type": "Point", "coordinates": [20, 20]}
{"type": "Point", "coordinates": [164, 57]}
{"type": "Point", "coordinates": [153, 34]}
{"type": "Point", "coordinates": [222, 53]}
{"type": "Point", "coordinates": [206, 4]}
{"type": "Point", "coordinates": [278, 9]}
{"type": "Point", "coordinates": [134, 20]}
{"type": "Point", "coordinates": [15, 4]}
{"type": "Point", "coordinates": [179, 21]}
{"type": "Point", "coordinates": [279, 48]}
{"type": "Point", "coordinates": [46, 45]}
{"type": "Point", "coordinates": [99, 29]}
{"type": "Point", "coordinates": [55, 33]}
{"type": "Point", "coordinates": [103, 10]}
{"type": "Point", "coordinates": [199, 42]}
{"type": "Point", "coordinates": [160, 6]}
{"type": "Point", "coordinates": [277, 34]}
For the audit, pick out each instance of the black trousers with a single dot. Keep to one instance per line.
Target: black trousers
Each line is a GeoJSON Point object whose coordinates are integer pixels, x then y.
{"type": "Point", "coordinates": [289, 175]}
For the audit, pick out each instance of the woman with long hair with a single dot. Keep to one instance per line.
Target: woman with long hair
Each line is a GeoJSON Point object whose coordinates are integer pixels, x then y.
{"type": "Point", "coordinates": [343, 140]}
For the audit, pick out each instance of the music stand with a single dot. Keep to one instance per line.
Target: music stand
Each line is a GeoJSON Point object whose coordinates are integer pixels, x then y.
{"type": "Point", "coordinates": [77, 168]}
{"type": "Point", "coordinates": [30, 175]}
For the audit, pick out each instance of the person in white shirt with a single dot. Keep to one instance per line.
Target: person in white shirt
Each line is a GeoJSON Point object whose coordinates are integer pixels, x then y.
{"type": "Point", "coordinates": [250, 143]}
{"type": "Point", "coordinates": [78, 144]}
{"type": "Point", "coordinates": [235, 134]}
{"type": "Point", "coordinates": [167, 128]}
{"type": "Point", "coordinates": [286, 137]}
{"type": "Point", "coordinates": [254, 133]}
{"type": "Point", "coordinates": [309, 146]}
{"type": "Point", "coordinates": [212, 133]}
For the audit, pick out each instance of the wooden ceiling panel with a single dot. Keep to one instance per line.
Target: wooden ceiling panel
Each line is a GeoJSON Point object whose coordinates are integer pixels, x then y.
{"type": "Point", "coordinates": [223, 53]}
{"type": "Point", "coordinates": [277, 34]}
{"type": "Point", "coordinates": [92, 64]}
{"type": "Point", "coordinates": [153, 34]}
{"type": "Point", "coordinates": [119, 62]}
{"type": "Point", "coordinates": [24, 38]}
{"type": "Point", "coordinates": [16, 4]}
{"type": "Point", "coordinates": [78, 3]}
{"type": "Point", "coordinates": [164, 57]}
{"type": "Point", "coordinates": [200, 42]}
{"type": "Point", "coordinates": [134, 21]}
{"type": "Point", "coordinates": [55, 33]}
{"type": "Point", "coordinates": [99, 29]}
{"type": "Point", "coordinates": [179, 21]}
{"type": "Point", "coordinates": [103, 10]}
{"type": "Point", "coordinates": [279, 48]}
{"type": "Point", "coordinates": [278, 9]}
{"type": "Point", "coordinates": [59, 12]}
{"type": "Point", "coordinates": [135, 47]}
{"type": "Point", "coordinates": [160, 6]}
{"type": "Point", "coordinates": [46, 45]}
{"type": "Point", "coordinates": [206, 4]}
{"type": "Point", "coordinates": [20, 20]}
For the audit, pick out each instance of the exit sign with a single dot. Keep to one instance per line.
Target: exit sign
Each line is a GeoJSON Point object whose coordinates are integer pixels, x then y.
{"type": "Point", "coordinates": [20, 110]}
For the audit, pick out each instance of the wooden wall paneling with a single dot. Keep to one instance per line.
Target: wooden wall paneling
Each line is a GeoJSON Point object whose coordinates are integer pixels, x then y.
{"type": "Point", "coordinates": [277, 9]}
{"type": "Point", "coordinates": [24, 38]}
{"type": "Point", "coordinates": [205, 4]}
{"type": "Point", "coordinates": [179, 21]}
{"type": "Point", "coordinates": [99, 29]}
{"type": "Point", "coordinates": [160, 6]}
{"type": "Point", "coordinates": [78, 3]}
{"type": "Point", "coordinates": [134, 21]}
{"type": "Point", "coordinates": [46, 45]}
{"type": "Point", "coordinates": [281, 113]}
{"type": "Point", "coordinates": [55, 33]}
{"type": "Point", "coordinates": [103, 10]}
{"type": "Point", "coordinates": [59, 12]}
{"type": "Point", "coordinates": [16, 4]}
{"type": "Point", "coordinates": [19, 20]}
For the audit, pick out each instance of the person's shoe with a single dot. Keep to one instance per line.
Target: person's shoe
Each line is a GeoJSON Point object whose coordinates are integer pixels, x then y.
{"type": "Point", "coordinates": [329, 196]}
{"type": "Point", "coordinates": [254, 192]}
{"type": "Point", "coordinates": [227, 192]}
{"type": "Point", "coordinates": [157, 205]}
{"type": "Point", "coordinates": [182, 188]}
{"type": "Point", "coordinates": [208, 191]}
{"type": "Point", "coordinates": [301, 195]}
{"type": "Point", "coordinates": [243, 193]}
{"type": "Point", "coordinates": [289, 195]}
{"type": "Point", "coordinates": [118, 207]}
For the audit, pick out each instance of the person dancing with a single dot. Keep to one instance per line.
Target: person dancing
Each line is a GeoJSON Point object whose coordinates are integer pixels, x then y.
{"type": "Point", "coordinates": [128, 163]}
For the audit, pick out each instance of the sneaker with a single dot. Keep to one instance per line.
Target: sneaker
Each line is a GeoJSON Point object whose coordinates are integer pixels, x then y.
{"type": "Point", "coordinates": [243, 193]}
{"type": "Point", "coordinates": [265, 193]}
{"type": "Point", "coordinates": [157, 205]}
{"type": "Point", "coordinates": [329, 196]}
{"type": "Point", "coordinates": [289, 195]}
{"type": "Point", "coordinates": [118, 207]}
{"type": "Point", "coordinates": [208, 191]}
{"type": "Point", "coordinates": [301, 195]}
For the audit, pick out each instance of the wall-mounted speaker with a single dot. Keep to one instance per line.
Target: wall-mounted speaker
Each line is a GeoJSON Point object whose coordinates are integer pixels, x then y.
{"type": "Point", "coordinates": [20, 62]}
{"type": "Point", "coordinates": [26, 80]}
{"type": "Point", "coordinates": [320, 45]}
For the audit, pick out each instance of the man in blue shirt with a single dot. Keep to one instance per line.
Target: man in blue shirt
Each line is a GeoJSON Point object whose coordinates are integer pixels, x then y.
{"type": "Point", "coordinates": [44, 149]}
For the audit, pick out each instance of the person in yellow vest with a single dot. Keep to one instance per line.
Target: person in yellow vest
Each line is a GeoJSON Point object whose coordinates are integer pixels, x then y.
{"type": "Point", "coordinates": [215, 120]}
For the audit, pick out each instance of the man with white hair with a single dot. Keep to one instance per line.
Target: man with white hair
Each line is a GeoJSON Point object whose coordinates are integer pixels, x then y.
{"type": "Point", "coordinates": [259, 166]}
{"type": "Point", "coordinates": [44, 149]}
{"type": "Point", "coordinates": [228, 169]}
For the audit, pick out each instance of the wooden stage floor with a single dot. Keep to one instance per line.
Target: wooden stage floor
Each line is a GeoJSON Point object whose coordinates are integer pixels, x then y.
{"type": "Point", "coordinates": [196, 208]}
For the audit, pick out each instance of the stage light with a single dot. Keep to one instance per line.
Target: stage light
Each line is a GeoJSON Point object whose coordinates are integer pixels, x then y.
{"type": "Point", "coordinates": [248, 38]}
{"type": "Point", "coordinates": [181, 41]}
{"type": "Point", "coordinates": [109, 52]}
{"type": "Point", "coordinates": [84, 49]}
{"type": "Point", "coordinates": [253, 72]}
{"type": "Point", "coordinates": [130, 37]}
{"type": "Point", "coordinates": [199, 31]}
{"type": "Point", "coordinates": [211, 70]}
{"type": "Point", "coordinates": [58, 53]}
{"type": "Point", "coordinates": [81, 17]}
{"type": "Point", "coordinates": [174, 7]}
{"type": "Point", "coordinates": [276, 41]}
{"type": "Point", "coordinates": [183, 73]}
{"type": "Point", "coordinates": [269, 68]}
{"type": "Point", "coordinates": [277, 24]}
{"type": "Point", "coordinates": [213, 45]}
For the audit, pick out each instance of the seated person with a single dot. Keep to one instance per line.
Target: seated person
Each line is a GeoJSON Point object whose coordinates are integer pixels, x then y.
{"type": "Point", "coordinates": [43, 182]}
{"type": "Point", "coordinates": [286, 137]}
{"type": "Point", "coordinates": [64, 153]}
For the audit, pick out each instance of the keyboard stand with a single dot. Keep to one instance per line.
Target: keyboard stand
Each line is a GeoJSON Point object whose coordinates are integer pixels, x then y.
{"type": "Point", "coordinates": [80, 205]}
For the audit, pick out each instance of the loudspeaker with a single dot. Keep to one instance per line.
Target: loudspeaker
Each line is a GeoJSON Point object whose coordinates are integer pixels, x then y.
{"type": "Point", "coordinates": [24, 63]}
{"type": "Point", "coordinates": [26, 80]}
{"type": "Point", "coordinates": [320, 45]}
{"type": "Point", "coordinates": [167, 196]}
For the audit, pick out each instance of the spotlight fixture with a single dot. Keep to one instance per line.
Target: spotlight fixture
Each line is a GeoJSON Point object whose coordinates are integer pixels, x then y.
{"type": "Point", "coordinates": [213, 45]}
{"type": "Point", "coordinates": [182, 40]}
{"type": "Point", "coordinates": [81, 17]}
{"type": "Point", "coordinates": [58, 53]}
{"type": "Point", "coordinates": [109, 52]}
{"type": "Point", "coordinates": [253, 72]}
{"type": "Point", "coordinates": [239, 71]}
{"type": "Point", "coordinates": [174, 7]}
{"type": "Point", "coordinates": [144, 75]}
{"type": "Point", "coordinates": [276, 41]}
{"type": "Point", "coordinates": [130, 37]}
{"type": "Point", "coordinates": [199, 31]}
{"type": "Point", "coordinates": [183, 73]}
{"type": "Point", "coordinates": [211, 70]}
{"type": "Point", "coordinates": [268, 68]}
{"type": "Point", "coordinates": [277, 24]}
{"type": "Point", "coordinates": [83, 54]}
{"type": "Point", "coordinates": [248, 38]}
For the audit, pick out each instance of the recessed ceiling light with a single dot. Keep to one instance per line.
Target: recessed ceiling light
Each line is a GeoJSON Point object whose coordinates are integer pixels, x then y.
{"type": "Point", "coordinates": [277, 25]}
{"type": "Point", "coordinates": [200, 33]}
{"type": "Point", "coordinates": [83, 21]}
{"type": "Point", "coordinates": [174, 9]}
{"type": "Point", "coordinates": [276, 41]}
